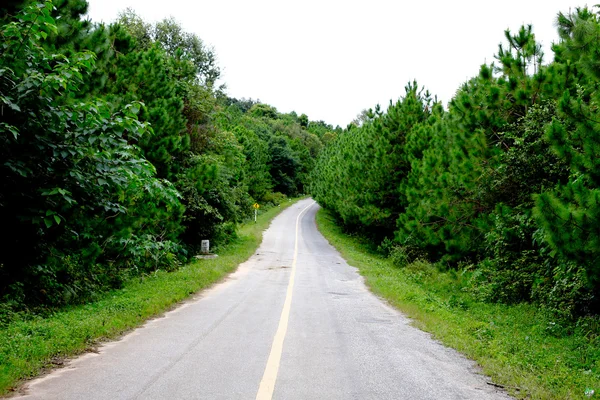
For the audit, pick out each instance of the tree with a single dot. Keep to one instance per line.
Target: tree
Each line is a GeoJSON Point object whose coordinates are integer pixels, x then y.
{"type": "Point", "coordinates": [360, 174]}
{"type": "Point", "coordinates": [76, 193]}
{"type": "Point", "coordinates": [282, 166]}
{"type": "Point", "coordinates": [570, 214]}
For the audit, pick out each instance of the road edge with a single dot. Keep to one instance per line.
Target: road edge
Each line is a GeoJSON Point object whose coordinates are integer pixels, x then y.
{"type": "Point", "coordinates": [126, 311]}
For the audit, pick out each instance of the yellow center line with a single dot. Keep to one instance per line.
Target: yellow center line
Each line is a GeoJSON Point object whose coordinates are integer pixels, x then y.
{"type": "Point", "coordinates": [267, 384]}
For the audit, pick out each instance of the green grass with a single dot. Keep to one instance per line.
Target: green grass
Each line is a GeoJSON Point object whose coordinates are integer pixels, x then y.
{"type": "Point", "coordinates": [32, 344]}
{"type": "Point", "coordinates": [520, 346]}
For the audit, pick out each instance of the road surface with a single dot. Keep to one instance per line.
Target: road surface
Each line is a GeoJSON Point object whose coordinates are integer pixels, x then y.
{"type": "Point", "coordinates": [295, 322]}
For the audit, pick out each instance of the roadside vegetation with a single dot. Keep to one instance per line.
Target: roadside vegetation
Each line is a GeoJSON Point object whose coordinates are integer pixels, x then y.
{"type": "Point", "coordinates": [121, 152]}
{"type": "Point", "coordinates": [525, 349]}
{"type": "Point", "coordinates": [33, 343]}
{"type": "Point", "coordinates": [488, 210]}
{"type": "Point", "coordinates": [506, 179]}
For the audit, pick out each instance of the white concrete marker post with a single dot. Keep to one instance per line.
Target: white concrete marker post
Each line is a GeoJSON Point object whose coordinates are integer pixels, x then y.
{"type": "Point", "coordinates": [204, 247]}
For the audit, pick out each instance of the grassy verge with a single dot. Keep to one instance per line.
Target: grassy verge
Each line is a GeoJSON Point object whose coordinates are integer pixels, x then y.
{"type": "Point", "coordinates": [521, 347]}
{"type": "Point", "coordinates": [33, 344]}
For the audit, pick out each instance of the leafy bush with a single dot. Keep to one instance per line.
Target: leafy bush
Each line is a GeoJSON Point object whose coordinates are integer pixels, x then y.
{"type": "Point", "coordinates": [74, 185]}
{"type": "Point", "coordinates": [274, 198]}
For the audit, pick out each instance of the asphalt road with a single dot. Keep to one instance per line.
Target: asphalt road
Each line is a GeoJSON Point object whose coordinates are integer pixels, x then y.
{"type": "Point", "coordinates": [294, 322]}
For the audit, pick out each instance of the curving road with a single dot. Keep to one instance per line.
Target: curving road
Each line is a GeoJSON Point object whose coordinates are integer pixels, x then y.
{"type": "Point", "coordinates": [294, 322]}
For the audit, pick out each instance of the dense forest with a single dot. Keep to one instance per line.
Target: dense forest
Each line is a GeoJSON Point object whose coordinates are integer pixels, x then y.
{"type": "Point", "coordinates": [503, 183]}
{"type": "Point", "coordinates": [120, 152]}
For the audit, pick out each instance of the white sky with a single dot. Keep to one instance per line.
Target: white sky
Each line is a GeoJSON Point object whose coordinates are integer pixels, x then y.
{"type": "Point", "coordinates": [330, 59]}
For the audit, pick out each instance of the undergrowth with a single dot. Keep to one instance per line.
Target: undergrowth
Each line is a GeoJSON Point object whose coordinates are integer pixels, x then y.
{"type": "Point", "coordinates": [31, 343]}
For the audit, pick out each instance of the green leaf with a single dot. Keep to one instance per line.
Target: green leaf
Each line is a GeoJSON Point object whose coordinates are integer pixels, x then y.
{"type": "Point", "coordinates": [48, 222]}
{"type": "Point", "coordinates": [57, 219]}
{"type": "Point", "coordinates": [69, 200]}
{"type": "Point", "coordinates": [135, 108]}
{"type": "Point", "coordinates": [50, 193]}
{"type": "Point", "coordinates": [11, 129]}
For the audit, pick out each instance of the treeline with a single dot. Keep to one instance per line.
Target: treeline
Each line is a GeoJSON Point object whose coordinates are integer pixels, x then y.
{"type": "Point", "coordinates": [120, 153]}
{"type": "Point", "coordinates": [504, 184]}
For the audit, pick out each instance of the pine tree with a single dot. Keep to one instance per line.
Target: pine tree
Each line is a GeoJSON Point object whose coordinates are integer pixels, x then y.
{"type": "Point", "coordinates": [570, 214]}
{"type": "Point", "coordinates": [360, 174]}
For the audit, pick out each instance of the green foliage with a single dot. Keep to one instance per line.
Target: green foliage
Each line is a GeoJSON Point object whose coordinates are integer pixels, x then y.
{"type": "Point", "coordinates": [256, 153]}
{"type": "Point", "coordinates": [144, 78]}
{"type": "Point", "coordinates": [118, 155]}
{"type": "Point", "coordinates": [361, 172]}
{"type": "Point", "coordinates": [263, 111]}
{"type": "Point", "coordinates": [505, 180]}
{"type": "Point", "coordinates": [30, 343]}
{"type": "Point", "coordinates": [188, 53]}
{"type": "Point", "coordinates": [279, 151]}
{"type": "Point", "coordinates": [570, 214]}
{"type": "Point", "coordinates": [282, 165]}
{"type": "Point", "coordinates": [75, 188]}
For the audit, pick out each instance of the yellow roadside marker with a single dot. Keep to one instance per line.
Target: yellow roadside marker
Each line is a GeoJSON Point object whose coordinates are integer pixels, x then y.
{"type": "Point", "coordinates": [256, 207]}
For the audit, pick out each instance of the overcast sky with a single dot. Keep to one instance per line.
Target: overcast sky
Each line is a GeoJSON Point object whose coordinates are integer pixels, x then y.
{"type": "Point", "coordinates": [331, 59]}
